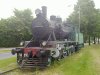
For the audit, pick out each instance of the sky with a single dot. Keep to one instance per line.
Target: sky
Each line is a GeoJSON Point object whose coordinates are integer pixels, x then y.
{"type": "Point", "coordinates": [61, 8]}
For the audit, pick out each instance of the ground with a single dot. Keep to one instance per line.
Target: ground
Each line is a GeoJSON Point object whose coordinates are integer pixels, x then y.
{"type": "Point", "coordinates": [84, 62]}
{"type": "Point", "coordinates": [6, 64]}
{"type": "Point", "coordinates": [5, 53]}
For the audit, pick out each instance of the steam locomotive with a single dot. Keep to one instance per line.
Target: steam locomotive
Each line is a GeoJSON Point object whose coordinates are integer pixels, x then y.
{"type": "Point", "coordinates": [52, 40]}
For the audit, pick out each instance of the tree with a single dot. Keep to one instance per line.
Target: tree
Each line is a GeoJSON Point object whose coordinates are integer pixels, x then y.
{"type": "Point", "coordinates": [15, 29]}
{"type": "Point", "coordinates": [97, 29]}
{"type": "Point", "coordinates": [87, 15]}
{"type": "Point", "coordinates": [25, 16]}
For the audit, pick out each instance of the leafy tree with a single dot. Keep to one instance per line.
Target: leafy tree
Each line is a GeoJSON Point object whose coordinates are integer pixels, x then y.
{"type": "Point", "coordinates": [25, 16]}
{"type": "Point", "coordinates": [88, 17]}
{"type": "Point", "coordinates": [16, 28]}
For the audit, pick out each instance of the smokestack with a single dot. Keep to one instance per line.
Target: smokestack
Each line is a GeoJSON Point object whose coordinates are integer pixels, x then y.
{"type": "Point", "coordinates": [44, 11]}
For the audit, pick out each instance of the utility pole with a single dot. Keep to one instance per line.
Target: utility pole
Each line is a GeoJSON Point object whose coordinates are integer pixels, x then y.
{"type": "Point", "coordinates": [79, 18]}
{"type": "Point", "coordinates": [79, 23]}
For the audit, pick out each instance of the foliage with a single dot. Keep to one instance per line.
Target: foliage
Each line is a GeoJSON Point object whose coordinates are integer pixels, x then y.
{"type": "Point", "coordinates": [15, 29]}
{"type": "Point", "coordinates": [88, 17]}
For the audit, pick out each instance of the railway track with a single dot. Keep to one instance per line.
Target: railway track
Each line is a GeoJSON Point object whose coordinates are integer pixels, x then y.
{"type": "Point", "coordinates": [2, 73]}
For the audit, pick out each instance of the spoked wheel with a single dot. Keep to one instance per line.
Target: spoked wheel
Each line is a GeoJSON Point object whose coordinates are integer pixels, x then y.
{"type": "Point", "coordinates": [65, 54]}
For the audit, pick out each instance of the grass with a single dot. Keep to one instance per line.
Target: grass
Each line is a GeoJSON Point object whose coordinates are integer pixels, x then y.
{"type": "Point", "coordinates": [77, 64]}
{"type": "Point", "coordinates": [85, 62]}
{"type": "Point", "coordinates": [4, 51]}
{"type": "Point", "coordinates": [6, 64]}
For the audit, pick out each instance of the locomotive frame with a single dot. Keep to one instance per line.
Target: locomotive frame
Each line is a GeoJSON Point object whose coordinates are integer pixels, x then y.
{"type": "Point", "coordinates": [49, 43]}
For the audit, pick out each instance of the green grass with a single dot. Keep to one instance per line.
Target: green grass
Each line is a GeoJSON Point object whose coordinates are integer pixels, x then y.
{"type": "Point", "coordinates": [78, 64]}
{"type": "Point", "coordinates": [8, 63]}
{"type": "Point", "coordinates": [86, 62]}
{"type": "Point", "coordinates": [4, 51]}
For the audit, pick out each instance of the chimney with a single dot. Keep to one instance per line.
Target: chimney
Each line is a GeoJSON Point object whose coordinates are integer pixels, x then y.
{"type": "Point", "coordinates": [44, 11]}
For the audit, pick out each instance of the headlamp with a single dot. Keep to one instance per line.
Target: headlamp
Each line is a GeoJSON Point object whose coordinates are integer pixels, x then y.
{"type": "Point", "coordinates": [44, 43]}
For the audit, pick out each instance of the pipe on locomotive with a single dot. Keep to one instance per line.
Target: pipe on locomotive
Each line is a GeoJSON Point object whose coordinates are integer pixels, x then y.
{"type": "Point", "coordinates": [44, 11]}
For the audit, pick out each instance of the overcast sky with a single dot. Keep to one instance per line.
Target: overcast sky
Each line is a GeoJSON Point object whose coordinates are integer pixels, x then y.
{"type": "Point", "coordinates": [62, 8]}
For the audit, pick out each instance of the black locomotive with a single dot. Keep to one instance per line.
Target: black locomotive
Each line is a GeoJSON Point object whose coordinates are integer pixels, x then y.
{"type": "Point", "coordinates": [52, 40]}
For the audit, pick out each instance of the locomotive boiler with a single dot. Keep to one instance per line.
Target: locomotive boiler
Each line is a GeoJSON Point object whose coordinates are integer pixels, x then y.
{"type": "Point", "coordinates": [52, 40]}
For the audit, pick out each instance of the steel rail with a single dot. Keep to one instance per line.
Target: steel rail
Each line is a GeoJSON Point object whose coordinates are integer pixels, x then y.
{"type": "Point", "coordinates": [1, 73]}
